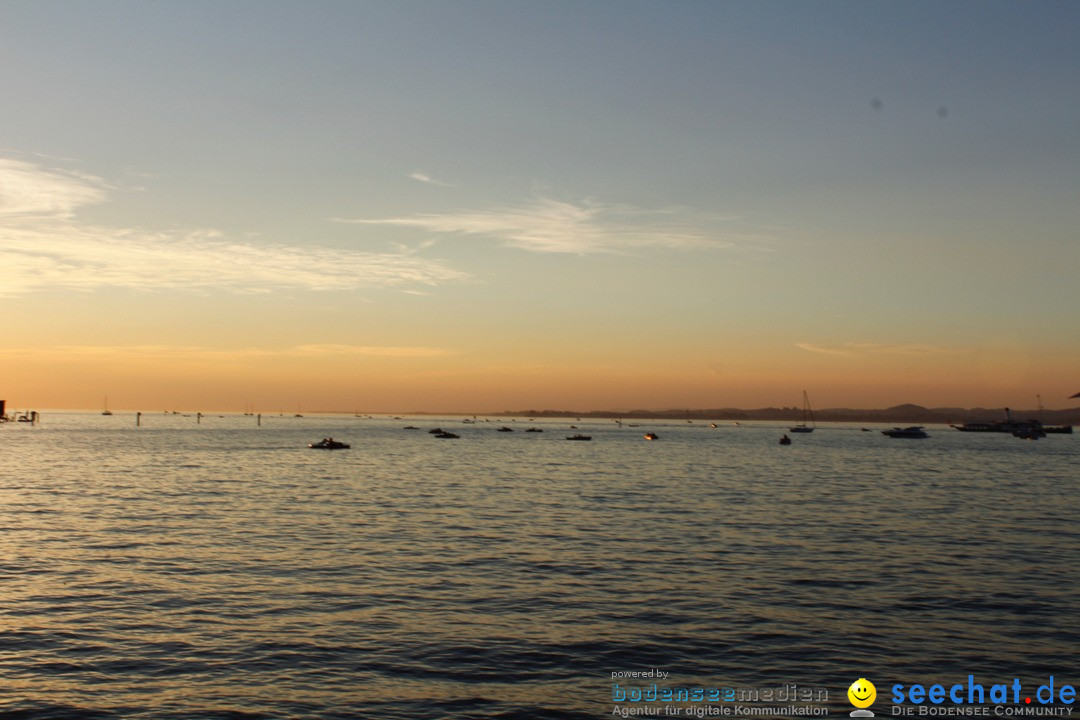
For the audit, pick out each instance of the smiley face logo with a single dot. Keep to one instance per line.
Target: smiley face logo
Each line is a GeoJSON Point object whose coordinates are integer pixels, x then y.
{"type": "Point", "coordinates": [862, 693]}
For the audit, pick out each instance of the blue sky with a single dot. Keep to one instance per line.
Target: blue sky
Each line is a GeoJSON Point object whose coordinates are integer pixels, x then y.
{"type": "Point", "coordinates": [615, 204]}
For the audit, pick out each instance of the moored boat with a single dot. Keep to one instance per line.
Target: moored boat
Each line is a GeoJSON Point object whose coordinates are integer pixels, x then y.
{"type": "Point", "coordinates": [329, 444]}
{"type": "Point", "coordinates": [1014, 427]}
{"type": "Point", "coordinates": [806, 413]}
{"type": "Point", "coordinates": [915, 432]}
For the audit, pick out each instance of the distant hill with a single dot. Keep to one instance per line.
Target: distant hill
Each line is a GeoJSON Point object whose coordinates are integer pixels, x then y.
{"type": "Point", "coordinates": [906, 413]}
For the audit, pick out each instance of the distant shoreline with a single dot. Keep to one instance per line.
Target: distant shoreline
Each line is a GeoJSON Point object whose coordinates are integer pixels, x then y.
{"type": "Point", "coordinates": [900, 413]}
{"type": "Point", "coordinates": [907, 413]}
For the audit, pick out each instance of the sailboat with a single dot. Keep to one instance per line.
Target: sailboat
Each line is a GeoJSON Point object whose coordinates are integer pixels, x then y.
{"type": "Point", "coordinates": [806, 412]}
{"type": "Point", "coordinates": [106, 411]}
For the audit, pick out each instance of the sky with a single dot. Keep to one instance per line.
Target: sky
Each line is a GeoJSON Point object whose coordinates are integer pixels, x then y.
{"type": "Point", "coordinates": [481, 205]}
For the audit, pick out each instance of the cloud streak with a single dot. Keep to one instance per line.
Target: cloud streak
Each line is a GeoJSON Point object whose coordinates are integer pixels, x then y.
{"type": "Point", "coordinates": [27, 192]}
{"type": "Point", "coordinates": [425, 178]}
{"type": "Point", "coordinates": [552, 226]}
{"type": "Point", "coordinates": [856, 349]}
{"type": "Point", "coordinates": [42, 247]}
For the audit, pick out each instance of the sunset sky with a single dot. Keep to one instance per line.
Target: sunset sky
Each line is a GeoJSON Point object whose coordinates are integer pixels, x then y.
{"type": "Point", "coordinates": [465, 205]}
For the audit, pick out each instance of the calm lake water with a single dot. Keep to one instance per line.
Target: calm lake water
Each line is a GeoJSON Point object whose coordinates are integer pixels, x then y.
{"type": "Point", "coordinates": [224, 570]}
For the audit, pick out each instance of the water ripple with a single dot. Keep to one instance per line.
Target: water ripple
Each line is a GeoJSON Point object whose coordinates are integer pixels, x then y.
{"type": "Point", "coordinates": [181, 571]}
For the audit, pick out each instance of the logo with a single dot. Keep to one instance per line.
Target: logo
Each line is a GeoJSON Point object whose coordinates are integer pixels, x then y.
{"type": "Point", "coordinates": [862, 694]}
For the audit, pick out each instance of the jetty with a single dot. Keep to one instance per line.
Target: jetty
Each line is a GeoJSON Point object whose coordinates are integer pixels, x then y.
{"type": "Point", "coordinates": [27, 416]}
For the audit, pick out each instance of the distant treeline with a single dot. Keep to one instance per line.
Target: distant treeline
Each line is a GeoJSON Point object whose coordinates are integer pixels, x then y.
{"type": "Point", "coordinates": [898, 414]}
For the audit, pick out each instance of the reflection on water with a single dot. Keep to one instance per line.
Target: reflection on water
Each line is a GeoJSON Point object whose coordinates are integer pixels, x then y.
{"type": "Point", "coordinates": [225, 570]}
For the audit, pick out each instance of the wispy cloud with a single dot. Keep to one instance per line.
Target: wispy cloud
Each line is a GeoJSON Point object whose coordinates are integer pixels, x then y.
{"type": "Point", "coordinates": [552, 226]}
{"type": "Point", "coordinates": [855, 349]}
{"type": "Point", "coordinates": [425, 178]}
{"type": "Point", "coordinates": [42, 246]}
{"type": "Point", "coordinates": [27, 192]}
{"type": "Point", "coordinates": [377, 351]}
{"type": "Point", "coordinates": [823, 350]}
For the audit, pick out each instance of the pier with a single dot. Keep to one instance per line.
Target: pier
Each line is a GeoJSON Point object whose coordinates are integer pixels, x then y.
{"type": "Point", "coordinates": [27, 416]}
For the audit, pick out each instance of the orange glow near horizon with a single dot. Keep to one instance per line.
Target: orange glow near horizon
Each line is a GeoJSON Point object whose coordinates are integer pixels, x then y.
{"type": "Point", "coordinates": [395, 380]}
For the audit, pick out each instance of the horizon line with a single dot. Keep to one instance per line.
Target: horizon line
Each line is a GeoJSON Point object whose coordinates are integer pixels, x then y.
{"type": "Point", "coordinates": [702, 412]}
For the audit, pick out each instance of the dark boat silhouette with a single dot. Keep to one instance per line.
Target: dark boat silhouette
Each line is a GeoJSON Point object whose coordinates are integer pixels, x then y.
{"type": "Point", "coordinates": [1019, 428]}
{"type": "Point", "coordinates": [806, 412]}
{"type": "Point", "coordinates": [914, 432]}
{"type": "Point", "coordinates": [329, 444]}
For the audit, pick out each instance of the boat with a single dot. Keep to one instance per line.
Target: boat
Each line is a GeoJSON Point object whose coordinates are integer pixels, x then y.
{"type": "Point", "coordinates": [785, 440]}
{"type": "Point", "coordinates": [914, 432]}
{"type": "Point", "coordinates": [651, 436]}
{"type": "Point", "coordinates": [579, 437]}
{"type": "Point", "coordinates": [410, 427]}
{"type": "Point", "coordinates": [1032, 430]}
{"type": "Point", "coordinates": [436, 431]}
{"type": "Point", "coordinates": [106, 411]}
{"type": "Point", "coordinates": [329, 444]}
{"type": "Point", "coordinates": [996, 426]}
{"type": "Point", "coordinates": [1008, 425]}
{"type": "Point", "coordinates": [447, 436]}
{"type": "Point", "coordinates": [534, 430]}
{"type": "Point", "coordinates": [806, 413]}
{"type": "Point", "coordinates": [505, 429]}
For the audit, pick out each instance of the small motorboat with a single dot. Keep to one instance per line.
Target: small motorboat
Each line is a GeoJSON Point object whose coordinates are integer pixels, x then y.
{"type": "Point", "coordinates": [579, 437]}
{"type": "Point", "coordinates": [410, 427]}
{"type": "Point", "coordinates": [505, 429]}
{"type": "Point", "coordinates": [534, 430]}
{"type": "Point", "coordinates": [436, 431]}
{"type": "Point", "coordinates": [447, 436]}
{"type": "Point", "coordinates": [651, 436]}
{"type": "Point", "coordinates": [329, 444]}
{"type": "Point", "coordinates": [915, 432]}
{"type": "Point", "coordinates": [785, 440]}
